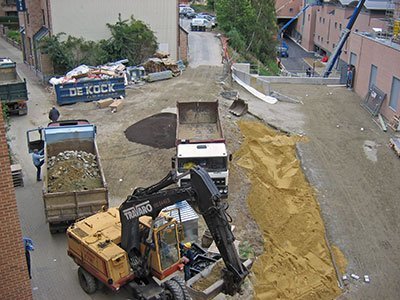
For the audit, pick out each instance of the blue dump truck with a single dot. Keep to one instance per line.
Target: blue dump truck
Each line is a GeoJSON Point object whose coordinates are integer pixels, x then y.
{"type": "Point", "coordinates": [74, 185]}
{"type": "Point", "coordinates": [13, 91]}
{"type": "Point", "coordinates": [90, 90]}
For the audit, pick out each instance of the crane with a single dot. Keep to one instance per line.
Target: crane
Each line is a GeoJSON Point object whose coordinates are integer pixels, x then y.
{"type": "Point", "coordinates": [345, 34]}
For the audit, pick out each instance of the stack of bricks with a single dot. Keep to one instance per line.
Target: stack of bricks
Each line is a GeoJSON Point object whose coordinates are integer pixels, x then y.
{"type": "Point", "coordinates": [13, 268]}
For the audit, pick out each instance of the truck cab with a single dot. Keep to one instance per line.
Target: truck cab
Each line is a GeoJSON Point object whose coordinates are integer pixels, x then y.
{"type": "Point", "coordinates": [210, 156]}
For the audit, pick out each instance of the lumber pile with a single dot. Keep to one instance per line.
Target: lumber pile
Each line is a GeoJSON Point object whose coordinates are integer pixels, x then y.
{"type": "Point", "coordinates": [16, 173]}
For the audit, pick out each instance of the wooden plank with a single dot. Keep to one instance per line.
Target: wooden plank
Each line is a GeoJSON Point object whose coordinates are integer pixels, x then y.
{"type": "Point", "coordinates": [382, 122]}
{"type": "Point", "coordinates": [16, 167]}
{"type": "Point", "coordinates": [116, 105]}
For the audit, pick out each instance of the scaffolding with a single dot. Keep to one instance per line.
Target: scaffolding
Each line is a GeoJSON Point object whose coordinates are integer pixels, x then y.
{"type": "Point", "coordinates": [393, 19]}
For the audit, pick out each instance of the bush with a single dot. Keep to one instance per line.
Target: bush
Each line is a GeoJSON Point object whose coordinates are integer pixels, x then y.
{"type": "Point", "coordinates": [236, 41]}
{"type": "Point", "coordinates": [14, 35]}
{"type": "Point", "coordinates": [131, 39]}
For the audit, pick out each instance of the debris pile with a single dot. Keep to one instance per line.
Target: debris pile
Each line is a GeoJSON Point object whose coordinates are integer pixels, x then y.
{"type": "Point", "coordinates": [84, 73]}
{"type": "Point", "coordinates": [73, 171]}
{"type": "Point", "coordinates": [162, 62]}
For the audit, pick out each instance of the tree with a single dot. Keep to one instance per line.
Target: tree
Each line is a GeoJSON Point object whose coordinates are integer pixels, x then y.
{"type": "Point", "coordinates": [57, 51]}
{"type": "Point", "coordinates": [133, 41]}
{"type": "Point", "coordinates": [249, 22]}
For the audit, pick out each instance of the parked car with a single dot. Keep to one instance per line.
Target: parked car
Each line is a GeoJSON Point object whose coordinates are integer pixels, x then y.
{"type": "Point", "coordinates": [185, 10]}
{"type": "Point", "coordinates": [282, 51]}
{"type": "Point", "coordinates": [191, 15]}
{"type": "Point", "coordinates": [212, 19]}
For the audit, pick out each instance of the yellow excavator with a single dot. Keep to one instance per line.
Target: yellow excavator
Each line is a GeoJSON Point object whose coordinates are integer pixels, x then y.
{"type": "Point", "coordinates": [137, 246]}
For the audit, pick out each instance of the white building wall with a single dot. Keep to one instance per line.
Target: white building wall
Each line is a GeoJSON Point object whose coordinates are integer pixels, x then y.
{"type": "Point", "coordinates": [88, 18]}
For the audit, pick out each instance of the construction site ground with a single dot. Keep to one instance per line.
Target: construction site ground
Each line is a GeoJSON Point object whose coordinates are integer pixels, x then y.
{"type": "Point", "coordinates": [343, 154]}
{"type": "Point", "coordinates": [345, 157]}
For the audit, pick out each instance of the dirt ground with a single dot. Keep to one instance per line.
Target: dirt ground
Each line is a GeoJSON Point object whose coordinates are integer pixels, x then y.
{"type": "Point", "coordinates": [335, 160]}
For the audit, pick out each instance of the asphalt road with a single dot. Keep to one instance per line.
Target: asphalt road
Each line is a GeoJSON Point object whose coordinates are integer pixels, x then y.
{"type": "Point", "coordinates": [204, 47]}
{"type": "Point", "coordinates": [295, 62]}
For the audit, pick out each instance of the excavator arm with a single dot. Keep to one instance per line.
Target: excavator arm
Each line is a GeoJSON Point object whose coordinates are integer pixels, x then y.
{"type": "Point", "coordinates": [204, 196]}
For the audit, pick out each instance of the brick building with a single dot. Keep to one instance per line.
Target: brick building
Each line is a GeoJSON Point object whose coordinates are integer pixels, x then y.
{"type": "Point", "coordinates": [8, 8]}
{"type": "Point", "coordinates": [13, 268]}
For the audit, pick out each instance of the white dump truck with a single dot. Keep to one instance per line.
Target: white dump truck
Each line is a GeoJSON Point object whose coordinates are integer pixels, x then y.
{"type": "Point", "coordinates": [200, 141]}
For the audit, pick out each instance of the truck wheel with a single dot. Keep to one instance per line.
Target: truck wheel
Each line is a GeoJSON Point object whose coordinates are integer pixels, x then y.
{"type": "Point", "coordinates": [181, 282]}
{"type": "Point", "coordinates": [52, 229]}
{"type": "Point", "coordinates": [173, 290]}
{"type": "Point", "coordinates": [87, 281]}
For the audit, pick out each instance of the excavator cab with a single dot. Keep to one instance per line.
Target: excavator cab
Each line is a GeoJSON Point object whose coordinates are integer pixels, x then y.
{"type": "Point", "coordinates": [164, 256]}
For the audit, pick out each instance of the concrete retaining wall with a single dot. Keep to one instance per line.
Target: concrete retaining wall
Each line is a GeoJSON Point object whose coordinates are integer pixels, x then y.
{"type": "Point", "coordinates": [261, 83]}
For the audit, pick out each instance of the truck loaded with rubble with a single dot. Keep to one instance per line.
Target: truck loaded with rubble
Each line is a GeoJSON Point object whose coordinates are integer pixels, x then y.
{"type": "Point", "coordinates": [74, 185]}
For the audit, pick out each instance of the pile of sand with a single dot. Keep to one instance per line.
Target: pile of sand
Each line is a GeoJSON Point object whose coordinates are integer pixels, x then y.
{"type": "Point", "coordinates": [296, 263]}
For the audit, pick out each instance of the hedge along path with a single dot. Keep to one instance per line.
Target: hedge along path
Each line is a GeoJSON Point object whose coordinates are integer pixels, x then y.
{"type": "Point", "coordinates": [297, 262]}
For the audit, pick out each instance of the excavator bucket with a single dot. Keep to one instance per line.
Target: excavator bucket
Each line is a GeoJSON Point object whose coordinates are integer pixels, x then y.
{"type": "Point", "coordinates": [209, 283]}
{"type": "Point", "coordinates": [239, 107]}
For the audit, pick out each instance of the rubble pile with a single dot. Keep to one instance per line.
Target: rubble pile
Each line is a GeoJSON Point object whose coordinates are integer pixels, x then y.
{"type": "Point", "coordinates": [73, 171]}
{"type": "Point", "coordinates": [84, 73]}
{"type": "Point", "coordinates": [162, 62]}
{"type": "Point", "coordinates": [132, 74]}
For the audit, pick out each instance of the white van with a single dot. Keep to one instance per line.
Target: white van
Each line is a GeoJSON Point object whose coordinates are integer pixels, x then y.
{"type": "Point", "coordinates": [199, 24]}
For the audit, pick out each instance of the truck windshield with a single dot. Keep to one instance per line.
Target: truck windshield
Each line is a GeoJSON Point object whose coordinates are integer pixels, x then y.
{"type": "Point", "coordinates": [168, 245]}
{"type": "Point", "coordinates": [210, 164]}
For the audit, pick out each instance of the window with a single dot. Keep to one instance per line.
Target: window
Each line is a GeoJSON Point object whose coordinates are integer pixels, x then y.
{"type": "Point", "coordinates": [290, 9]}
{"type": "Point", "coordinates": [322, 39]}
{"type": "Point", "coordinates": [395, 94]}
{"type": "Point", "coordinates": [333, 46]}
{"type": "Point", "coordinates": [43, 18]}
{"type": "Point", "coordinates": [318, 38]}
{"type": "Point", "coordinates": [210, 164]}
{"type": "Point", "coordinates": [340, 26]}
{"type": "Point", "coordinates": [309, 17]}
{"type": "Point", "coordinates": [335, 25]}
{"type": "Point", "coordinates": [320, 18]}
{"type": "Point", "coordinates": [168, 246]}
{"type": "Point", "coordinates": [29, 46]}
{"type": "Point", "coordinates": [323, 21]}
{"type": "Point", "coordinates": [27, 18]}
{"type": "Point", "coordinates": [353, 59]}
{"type": "Point", "coordinates": [372, 75]}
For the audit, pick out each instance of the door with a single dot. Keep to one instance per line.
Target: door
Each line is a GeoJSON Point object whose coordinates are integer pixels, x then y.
{"type": "Point", "coordinates": [35, 139]}
{"type": "Point", "coordinates": [395, 94]}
